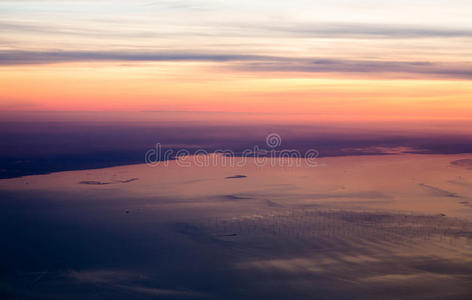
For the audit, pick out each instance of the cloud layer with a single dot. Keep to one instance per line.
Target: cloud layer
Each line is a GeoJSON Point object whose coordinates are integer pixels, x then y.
{"type": "Point", "coordinates": [243, 62]}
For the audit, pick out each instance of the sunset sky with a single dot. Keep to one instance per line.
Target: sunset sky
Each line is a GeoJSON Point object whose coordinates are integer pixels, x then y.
{"type": "Point", "coordinates": [333, 59]}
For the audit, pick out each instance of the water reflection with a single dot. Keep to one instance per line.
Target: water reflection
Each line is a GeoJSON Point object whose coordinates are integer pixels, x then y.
{"type": "Point", "coordinates": [353, 227]}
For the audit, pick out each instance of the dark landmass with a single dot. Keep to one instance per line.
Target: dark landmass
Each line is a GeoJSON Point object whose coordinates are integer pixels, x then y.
{"type": "Point", "coordinates": [463, 163]}
{"type": "Point", "coordinates": [93, 182]}
{"type": "Point", "coordinates": [129, 180]}
{"type": "Point", "coordinates": [236, 198]}
{"type": "Point", "coordinates": [30, 148]}
{"type": "Point", "coordinates": [236, 177]}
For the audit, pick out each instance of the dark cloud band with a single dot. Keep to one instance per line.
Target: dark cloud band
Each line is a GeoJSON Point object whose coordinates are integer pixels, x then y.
{"type": "Point", "coordinates": [47, 57]}
{"type": "Point", "coordinates": [248, 63]}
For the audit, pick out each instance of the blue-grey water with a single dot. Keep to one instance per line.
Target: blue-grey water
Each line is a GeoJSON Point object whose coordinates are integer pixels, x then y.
{"type": "Point", "coordinates": [369, 227]}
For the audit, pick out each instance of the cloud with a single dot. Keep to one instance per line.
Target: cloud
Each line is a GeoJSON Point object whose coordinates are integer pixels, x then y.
{"type": "Point", "coordinates": [15, 57]}
{"type": "Point", "coordinates": [360, 30]}
{"type": "Point", "coordinates": [244, 62]}
{"type": "Point", "coordinates": [309, 65]}
{"type": "Point", "coordinates": [293, 30]}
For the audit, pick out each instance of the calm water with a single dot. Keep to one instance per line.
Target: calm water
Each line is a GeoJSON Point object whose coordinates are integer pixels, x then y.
{"type": "Point", "coordinates": [396, 226]}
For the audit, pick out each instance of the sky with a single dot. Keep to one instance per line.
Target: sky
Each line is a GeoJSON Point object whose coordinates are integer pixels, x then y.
{"type": "Point", "coordinates": [325, 60]}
